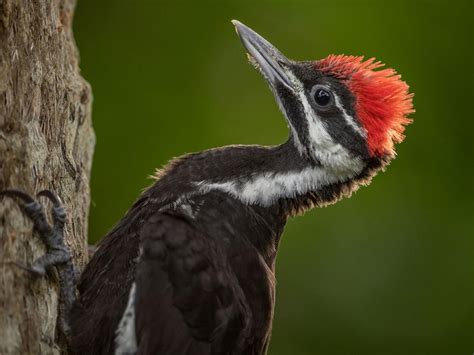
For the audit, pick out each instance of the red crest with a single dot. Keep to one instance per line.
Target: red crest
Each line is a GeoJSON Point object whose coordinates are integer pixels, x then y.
{"type": "Point", "coordinates": [383, 101]}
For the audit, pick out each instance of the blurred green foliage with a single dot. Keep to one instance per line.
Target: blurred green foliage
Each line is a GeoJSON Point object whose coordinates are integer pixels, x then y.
{"type": "Point", "coordinates": [389, 271]}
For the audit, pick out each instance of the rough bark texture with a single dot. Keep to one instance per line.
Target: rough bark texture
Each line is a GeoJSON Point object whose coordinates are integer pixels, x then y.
{"type": "Point", "coordinates": [46, 142]}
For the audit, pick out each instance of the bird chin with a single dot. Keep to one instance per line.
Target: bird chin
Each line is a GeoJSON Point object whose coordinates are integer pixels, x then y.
{"type": "Point", "coordinates": [254, 63]}
{"type": "Point", "coordinates": [341, 163]}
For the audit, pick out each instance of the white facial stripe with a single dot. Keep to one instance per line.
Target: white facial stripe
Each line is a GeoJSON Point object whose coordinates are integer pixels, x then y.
{"type": "Point", "coordinates": [330, 153]}
{"type": "Point", "coordinates": [125, 340]}
{"type": "Point", "coordinates": [349, 119]}
{"type": "Point", "coordinates": [267, 188]}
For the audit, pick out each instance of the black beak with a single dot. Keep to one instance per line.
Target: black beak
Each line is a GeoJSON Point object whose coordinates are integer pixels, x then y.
{"type": "Point", "coordinates": [269, 59]}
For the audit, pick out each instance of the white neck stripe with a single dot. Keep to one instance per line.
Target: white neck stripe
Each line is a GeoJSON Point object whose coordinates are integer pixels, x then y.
{"type": "Point", "coordinates": [266, 188]}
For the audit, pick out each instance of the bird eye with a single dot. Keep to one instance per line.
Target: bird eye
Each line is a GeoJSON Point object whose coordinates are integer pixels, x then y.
{"type": "Point", "coordinates": [322, 97]}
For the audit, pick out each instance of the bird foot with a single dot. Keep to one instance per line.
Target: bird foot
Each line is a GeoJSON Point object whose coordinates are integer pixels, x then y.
{"type": "Point", "coordinates": [58, 254]}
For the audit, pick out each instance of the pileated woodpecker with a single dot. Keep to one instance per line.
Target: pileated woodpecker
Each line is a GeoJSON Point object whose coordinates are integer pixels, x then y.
{"type": "Point", "coordinates": [190, 268]}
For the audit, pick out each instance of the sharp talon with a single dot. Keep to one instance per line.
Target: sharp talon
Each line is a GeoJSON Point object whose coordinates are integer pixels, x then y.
{"type": "Point", "coordinates": [51, 196]}
{"type": "Point", "coordinates": [32, 271]}
{"type": "Point", "coordinates": [57, 257]}
{"type": "Point", "coordinates": [17, 193]}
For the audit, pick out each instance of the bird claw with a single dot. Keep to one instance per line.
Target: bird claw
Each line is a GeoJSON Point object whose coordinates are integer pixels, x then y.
{"type": "Point", "coordinates": [17, 193]}
{"type": "Point", "coordinates": [34, 271]}
{"type": "Point", "coordinates": [51, 196]}
{"type": "Point", "coordinates": [57, 254]}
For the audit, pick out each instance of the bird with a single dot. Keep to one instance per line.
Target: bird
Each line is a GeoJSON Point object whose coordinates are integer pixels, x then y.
{"type": "Point", "coordinates": [190, 268]}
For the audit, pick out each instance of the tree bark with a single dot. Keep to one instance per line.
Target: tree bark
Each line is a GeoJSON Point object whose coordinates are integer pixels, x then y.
{"type": "Point", "coordinates": [46, 142]}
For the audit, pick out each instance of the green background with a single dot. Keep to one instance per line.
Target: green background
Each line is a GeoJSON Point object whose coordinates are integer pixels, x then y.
{"type": "Point", "coordinates": [388, 271]}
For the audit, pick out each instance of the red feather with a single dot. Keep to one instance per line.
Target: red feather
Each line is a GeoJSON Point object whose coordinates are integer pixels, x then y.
{"type": "Point", "coordinates": [383, 101]}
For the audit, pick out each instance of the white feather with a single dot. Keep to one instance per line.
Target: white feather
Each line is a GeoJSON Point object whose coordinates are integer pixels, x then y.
{"type": "Point", "coordinates": [330, 153]}
{"type": "Point", "coordinates": [266, 188]}
{"type": "Point", "coordinates": [349, 119]}
{"type": "Point", "coordinates": [125, 340]}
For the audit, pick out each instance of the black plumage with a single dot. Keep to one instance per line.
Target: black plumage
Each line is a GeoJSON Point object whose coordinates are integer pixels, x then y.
{"type": "Point", "coordinates": [205, 272]}
{"type": "Point", "coordinates": [190, 269]}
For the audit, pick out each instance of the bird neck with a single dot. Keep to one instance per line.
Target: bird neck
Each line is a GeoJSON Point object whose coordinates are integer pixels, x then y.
{"type": "Point", "coordinates": [272, 176]}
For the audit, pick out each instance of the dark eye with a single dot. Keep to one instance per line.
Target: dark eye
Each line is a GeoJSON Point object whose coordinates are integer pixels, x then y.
{"type": "Point", "coordinates": [322, 97]}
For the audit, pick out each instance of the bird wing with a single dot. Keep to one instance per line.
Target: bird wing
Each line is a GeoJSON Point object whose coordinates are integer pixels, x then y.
{"type": "Point", "coordinates": [104, 286]}
{"type": "Point", "coordinates": [188, 300]}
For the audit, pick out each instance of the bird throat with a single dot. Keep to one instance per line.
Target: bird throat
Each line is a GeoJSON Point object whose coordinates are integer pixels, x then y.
{"type": "Point", "coordinates": [266, 176]}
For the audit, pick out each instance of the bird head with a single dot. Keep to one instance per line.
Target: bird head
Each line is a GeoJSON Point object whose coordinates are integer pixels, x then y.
{"type": "Point", "coordinates": [343, 111]}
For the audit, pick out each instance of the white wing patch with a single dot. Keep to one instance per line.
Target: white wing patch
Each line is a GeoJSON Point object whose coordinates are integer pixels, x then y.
{"type": "Point", "coordinates": [125, 340]}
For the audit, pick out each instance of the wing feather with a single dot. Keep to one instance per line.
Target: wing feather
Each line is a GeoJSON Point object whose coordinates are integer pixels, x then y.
{"type": "Point", "coordinates": [188, 299]}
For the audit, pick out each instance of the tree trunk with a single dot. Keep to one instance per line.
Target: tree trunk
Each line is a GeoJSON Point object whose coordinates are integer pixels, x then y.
{"type": "Point", "coordinates": [46, 142]}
